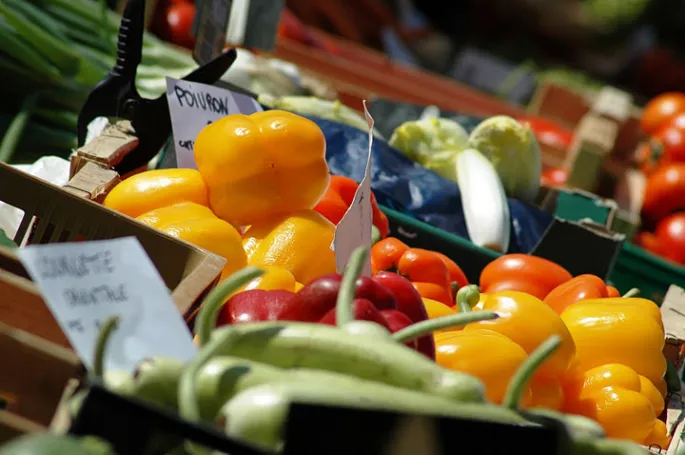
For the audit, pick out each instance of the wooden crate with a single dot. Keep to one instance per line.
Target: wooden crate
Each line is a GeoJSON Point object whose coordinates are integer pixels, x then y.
{"type": "Point", "coordinates": [53, 214]}
{"type": "Point", "coordinates": [33, 375]}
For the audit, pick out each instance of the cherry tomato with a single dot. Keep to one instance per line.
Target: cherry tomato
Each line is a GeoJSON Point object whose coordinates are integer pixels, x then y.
{"type": "Point", "coordinates": [648, 155]}
{"type": "Point", "coordinates": [549, 132]}
{"type": "Point", "coordinates": [672, 141]}
{"type": "Point", "coordinates": [670, 235]}
{"type": "Point", "coordinates": [180, 17]}
{"type": "Point", "coordinates": [664, 192]}
{"type": "Point", "coordinates": [660, 110]}
{"type": "Point", "coordinates": [554, 177]}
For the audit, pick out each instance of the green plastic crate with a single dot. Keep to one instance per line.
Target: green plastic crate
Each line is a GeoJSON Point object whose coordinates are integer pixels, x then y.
{"type": "Point", "coordinates": [637, 268]}
{"type": "Point", "coordinates": [417, 234]}
{"type": "Point", "coordinates": [634, 266]}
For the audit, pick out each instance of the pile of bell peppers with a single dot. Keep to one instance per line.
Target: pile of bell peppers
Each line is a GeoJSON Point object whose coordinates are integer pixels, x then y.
{"type": "Point", "coordinates": [609, 367]}
{"type": "Point", "coordinates": [278, 210]}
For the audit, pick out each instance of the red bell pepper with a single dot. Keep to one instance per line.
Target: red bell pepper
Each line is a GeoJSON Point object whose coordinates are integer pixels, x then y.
{"type": "Point", "coordinates": [316, 302]}
{"type": "Point", "coordinates": [338, 199]}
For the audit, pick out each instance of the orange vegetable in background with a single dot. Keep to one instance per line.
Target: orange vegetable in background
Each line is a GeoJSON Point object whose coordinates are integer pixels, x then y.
{"type": "Point", "coordinates": [455, 272]}
{"type": "Point", "coordinates": [522, 272]}
{"type": "Point", "coordinates": [660, 110]}
{"type": "Point", "coordinates": [155, 189]}
{"type": "Point", "coordinates": [527, 321]}
{"type": "Point", "coordinates": [415, 264]}
{"type": "Point", "coordinates": [338, 198]}
{"type": "Point", "coordinates": [664, 191]}
{"type": "Point", "coordinates": [261, 166]}
{"type": "Point", "coordinates": [490, 356]}
{"type": "Point", "coordinates": [436, 292]}
{"type": "Point", "coordinates": [582, 287]}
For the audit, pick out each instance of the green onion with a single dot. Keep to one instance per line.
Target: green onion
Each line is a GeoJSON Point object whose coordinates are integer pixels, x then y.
{"type": "Point", "coordinates": [52, 49]}
{"type": "Point", "coordinates": [13, 134]}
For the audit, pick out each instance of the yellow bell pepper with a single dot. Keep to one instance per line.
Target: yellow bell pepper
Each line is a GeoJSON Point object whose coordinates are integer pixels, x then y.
{"type": "Point", "coordinates": [273, 279]}
{"type": "Point", "coordinates": [658, 436]}
{"type": "Point", "coordinates": [623, 413]}
{"type": "Point", "coordinates": [622, 333]}
{"type": "Point", "coordinates": [213, 235]}
{"type": "Point", "coordinates": [261, 166]}
{"type": "Point", "coordinates": [528, 322]}
{"type": "Point", "coordinates": [653, 395]}
{"type": "Point", "coordinates": [299, 243]}
{"type": "Point", "coordinates": [175, 213]}
{"type": "Point", "coordinates": [545, 393]}
{"type": "Point", "coordinates": [155, 189]}
{"type": "Point", "coordinates": [648, 306]}
{"type": "Point", "coordinates": [490, 356]}
{"type": "Point", "coordinates": [197, 224]}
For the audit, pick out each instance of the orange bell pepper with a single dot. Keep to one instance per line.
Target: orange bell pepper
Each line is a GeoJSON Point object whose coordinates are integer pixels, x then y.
{"type": "Point", "coordinates": [435, 292]}
{"type": "Point", "coordinates": [415, 264]}
{"type": "Point", "coordinates": [338, 198]}
{"type": "Point", "coordinates": [265, 165]}
{"type": "Point", "coordinates": [456, 274]}
{"type": "Point", "coordinates": [582, 287]}
{"type": "Point", "coordinates": [299, 243]}
{"type": "Point", "coordinates": [617, 331]}
{"type": "Point", "coordinates": [522, 272]}
{"type": "Point", "coordinates": [155, 189]}
{"type": "Point", "coordinates": [528, 322]}
{"type": "Point", "coordinates": [490, 356]}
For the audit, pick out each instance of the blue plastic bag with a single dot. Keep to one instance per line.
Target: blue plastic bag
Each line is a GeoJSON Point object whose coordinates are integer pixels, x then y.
{"type": "Point", "coordinates": [407, 187]}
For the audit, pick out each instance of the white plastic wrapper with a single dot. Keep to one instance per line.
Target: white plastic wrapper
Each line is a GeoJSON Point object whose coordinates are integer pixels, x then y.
{"type": "Point", "coordinates": [49, 168]}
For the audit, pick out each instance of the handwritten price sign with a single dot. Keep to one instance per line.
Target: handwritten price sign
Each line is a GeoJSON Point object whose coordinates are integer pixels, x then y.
{"type": "Point", "coordinates": [85, 283]}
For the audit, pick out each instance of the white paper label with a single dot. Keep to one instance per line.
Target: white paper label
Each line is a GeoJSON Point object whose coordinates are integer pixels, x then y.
{"type": "Point", "coordinates": [354, 229]}
{"type": "Point", "coordinates": [193, 106]}
{"type": "Point", "coordinates": [85, 283]}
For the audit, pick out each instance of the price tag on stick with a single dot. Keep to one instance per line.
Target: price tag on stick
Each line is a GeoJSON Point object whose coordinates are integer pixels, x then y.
{"type": "Point", "coordinates": [85, 283]}
{"type": "Point", "coordinates": [354, 229]}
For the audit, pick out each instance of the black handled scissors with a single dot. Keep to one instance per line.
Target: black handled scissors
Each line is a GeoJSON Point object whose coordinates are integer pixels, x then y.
{"type": "Point", "coordinates": [116, 94]}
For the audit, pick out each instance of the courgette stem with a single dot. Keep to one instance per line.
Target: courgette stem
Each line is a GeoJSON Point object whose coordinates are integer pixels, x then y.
{"type": "Point", "coordinates": [101, 346]}
{"type": "Point", "coordinates": [344, 306]}
{"type": "Point", "coordinates": [12, 136]}
{"type": "Point", "coordinates": [523, 376]}
{"type": "Point", "coordinates": [206, 317]}
{"type": "Point", "coordinates": [427, 327]}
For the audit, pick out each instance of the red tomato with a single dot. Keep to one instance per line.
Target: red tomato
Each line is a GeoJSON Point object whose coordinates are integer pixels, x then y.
{"type": "Point", "coordinates": [660, 110]}
{"type": "Point", "coordinates": [554, 177]}
{"type": "Point", "coordinates": [664, 192]}
{"type": "Point", "coordinates": [548, 132]}
{"type": "Point", "coordinates": [672, 142]}
{"type": "Point", "coordinates": [670, 234]}
{"type": "Point", "coordinates": [180, 17]}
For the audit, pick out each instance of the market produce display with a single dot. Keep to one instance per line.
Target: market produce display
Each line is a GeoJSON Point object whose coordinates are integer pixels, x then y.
{"type": "Point", "coordinates": [662, 157]}
{"type": "Point", "coordinates": [517, 340]}
{"type": "Point", "coordinates": [605, 363]}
